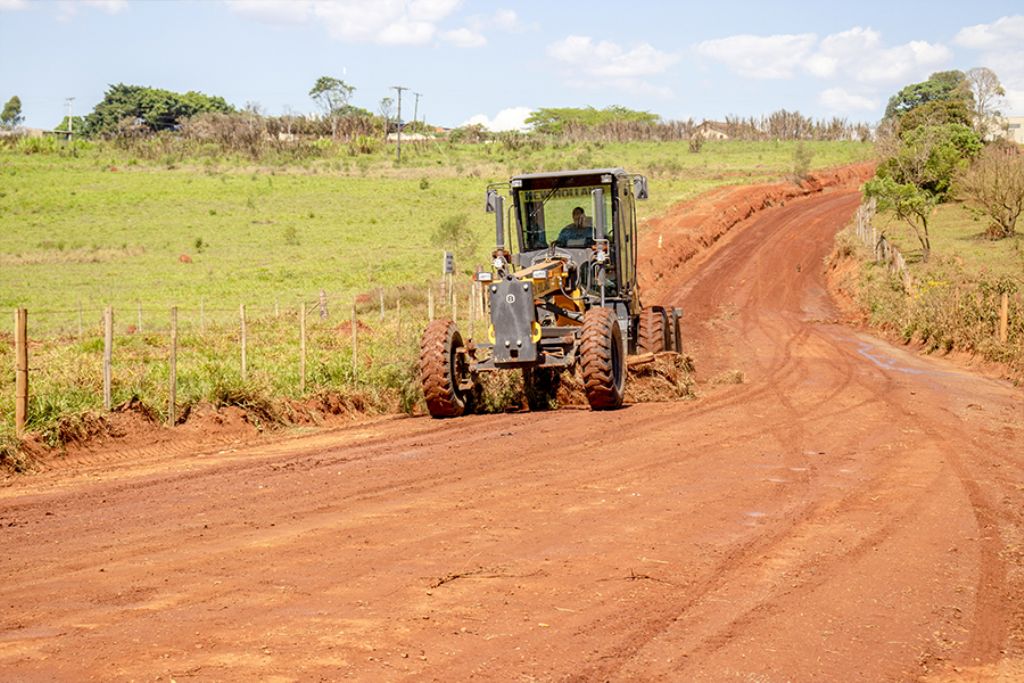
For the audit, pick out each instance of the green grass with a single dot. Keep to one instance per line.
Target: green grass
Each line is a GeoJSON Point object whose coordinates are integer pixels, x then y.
{"type": "Point", "coordinates": [95, 225]}
{"type": "Point", "coordinates": [958, 234]}
{"type": "Point", "coordinates": [955, 297]}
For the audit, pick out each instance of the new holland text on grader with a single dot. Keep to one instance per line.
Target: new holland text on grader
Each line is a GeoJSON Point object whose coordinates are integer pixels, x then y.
{"type": "Point", "coordinates": [567, 295]}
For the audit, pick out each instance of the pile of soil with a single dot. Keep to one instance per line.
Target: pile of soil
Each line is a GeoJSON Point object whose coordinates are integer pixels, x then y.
{"type": "Point", "coordinates": [657, 378]}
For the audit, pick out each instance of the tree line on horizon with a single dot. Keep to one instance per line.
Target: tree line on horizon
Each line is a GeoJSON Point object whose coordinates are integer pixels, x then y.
{"type": "Point", "coordinates": [133, 111]}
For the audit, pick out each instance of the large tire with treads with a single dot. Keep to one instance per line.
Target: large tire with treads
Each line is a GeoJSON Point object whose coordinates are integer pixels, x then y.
{"type": "Point", "coordinates": [441, 369]}
{"type": "Point", "coordinates": [602, 358]}
{"type": "Point", "coordinates": [651, 334]}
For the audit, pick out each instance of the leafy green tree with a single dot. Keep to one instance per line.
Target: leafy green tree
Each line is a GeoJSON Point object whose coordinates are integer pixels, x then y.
{"type": "Point", "coordinates": [155, 108]}
{"type": "Point", "coordinates": [11, 116]}
{"type": "Point", "coordinates": [909, 203]}
{"type": "Point", "coordinates": [553, 120]}
{"type": "Point", "coordinates": [942, 85]}
{"type": "Point", "coordinates": [936, 113]}
{"type": "Point", "coordinates": [929, 157]}
{"type": "Point", "coordinates": [331, 94]}
{"type": "Point", "coordinates": [76, 124]}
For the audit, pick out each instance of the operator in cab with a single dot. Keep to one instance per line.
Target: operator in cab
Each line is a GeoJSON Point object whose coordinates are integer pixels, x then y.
{"type": "Point", "coordinates": [579, 234]}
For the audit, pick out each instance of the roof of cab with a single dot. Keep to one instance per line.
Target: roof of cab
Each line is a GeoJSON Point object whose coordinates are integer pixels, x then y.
{"type": "Point", "coordinates": [569, 174]}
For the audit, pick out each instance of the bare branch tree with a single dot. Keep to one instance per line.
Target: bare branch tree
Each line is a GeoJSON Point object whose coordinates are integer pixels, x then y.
{"type": "Point", "coordinates": [994, 187]}
{"type": "Point", "coordinates": [988, 96]}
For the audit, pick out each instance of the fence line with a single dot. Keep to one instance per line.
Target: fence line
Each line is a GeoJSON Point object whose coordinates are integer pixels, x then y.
{"type": "Point", "coordinates": [884, 250]}
{"type": "Point", "coordinates": [161, 348]}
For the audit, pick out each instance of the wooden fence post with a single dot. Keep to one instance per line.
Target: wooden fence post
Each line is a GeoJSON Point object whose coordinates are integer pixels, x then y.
{"type": "Point", "coordinates": [108, 356]}
{"type": "Point", "coordinates": [202, 316]}
{"type": "Point", "coordinates": [430, 304]}
{"type": "Point", "coordinates": [471, 308]}
{"type": "Point", "coordinates": [355, 343]}
{"type": "Point", "coordinates": [381, 293]}
{"type": "Point", "coordinates": [1004, 317]}
{"type": "Point", "coordinates": [323, 305]}
{"type": "Point", "coordinates": [302, 348]}
{"type": "Point", "coordinates": [138, 327]}
{"type": "Point", "coordinates": [245, 369]}
{"type": "Point", "coordinates": [455, 303]}
{"type": "Point", "coordinates": [80, 318]}
{"type": "Point", "coordinates": [172, 389]}
{"type": "Point", "coordinates": [20, 370]}
{"type": "Point", "coordinates": [398, 318]}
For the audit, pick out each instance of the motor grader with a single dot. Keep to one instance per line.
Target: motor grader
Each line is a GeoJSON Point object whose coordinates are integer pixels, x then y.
{"type": "Point", "coordinates": [565, 295]}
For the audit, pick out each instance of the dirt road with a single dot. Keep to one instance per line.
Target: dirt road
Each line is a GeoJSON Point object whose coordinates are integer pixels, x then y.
{"type": "Point", "coordinates": [850, 511]}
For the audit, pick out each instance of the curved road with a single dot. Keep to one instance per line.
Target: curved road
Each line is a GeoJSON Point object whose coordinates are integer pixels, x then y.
{"type": "Point", "coordinates": [849, 511]}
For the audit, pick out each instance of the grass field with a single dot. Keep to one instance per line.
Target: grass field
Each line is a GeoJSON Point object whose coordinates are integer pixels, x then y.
{"type": "Point", "coordinates": [94, 226]}
{"type": "Point", "coordinates": [100, 228]}
{"type": "Point", "coordinates": [958, 234]}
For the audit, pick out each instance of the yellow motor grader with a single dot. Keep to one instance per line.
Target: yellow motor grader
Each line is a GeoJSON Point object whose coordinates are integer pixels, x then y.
{"type": "Point", "coordinates": [565, 295]}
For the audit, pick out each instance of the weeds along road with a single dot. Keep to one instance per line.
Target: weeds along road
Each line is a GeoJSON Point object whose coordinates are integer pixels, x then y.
{"type": "Point", "coordinates": [849, 512]}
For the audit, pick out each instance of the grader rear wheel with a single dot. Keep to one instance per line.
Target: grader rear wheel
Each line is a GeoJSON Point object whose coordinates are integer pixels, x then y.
{"type": "Point", "coordinates": [651, 335]}
{"type": "Point", "coordinates": [443, 369]}
{"type": "Point", "coordinates": [602, 359]}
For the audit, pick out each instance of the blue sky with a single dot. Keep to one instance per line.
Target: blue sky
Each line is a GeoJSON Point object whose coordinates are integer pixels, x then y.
{"type": "Point", "coordinates": [494, 61]}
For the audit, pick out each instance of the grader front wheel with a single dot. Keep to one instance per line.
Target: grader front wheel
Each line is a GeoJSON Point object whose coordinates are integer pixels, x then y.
{"type": "Point", "coordinates": [444, 370]}
{"type": "Point", "coordinates": [603, 359]}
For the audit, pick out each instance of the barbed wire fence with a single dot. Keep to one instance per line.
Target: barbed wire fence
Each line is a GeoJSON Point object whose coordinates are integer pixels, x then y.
{"type": "Point", "coordinates": [323, 341]}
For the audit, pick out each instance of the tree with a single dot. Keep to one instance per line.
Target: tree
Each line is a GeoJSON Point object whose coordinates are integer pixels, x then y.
{"type": "Point", "coordinates": [553, 120]}
{"type": "Point", "coordinates": [11, 116]}
{"type": "Point", "coordinates": [331, 94]}
{"type": "Point", "coordinates": [154, 108]}
{"type": "Point", "coordinates": [988, 93]}
{"type": "Point", "coordinates": [942, 85]}
{"type": "Point", "coordinates": [386, 108]}
{"type": "Point", "coordinates": [994, 187]}
{"type": "Point", "coordinates": [909, 203]}
{"type": "Point", "coordinates": [929, 157]}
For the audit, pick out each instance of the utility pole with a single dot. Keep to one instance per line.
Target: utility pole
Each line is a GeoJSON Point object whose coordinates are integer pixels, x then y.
{"type": "Point", "coordinates": [67, 104]}
{"type": "Point", "coordinates": [416, 108]}
{"type": "Point", "coordinates": [399, 88]}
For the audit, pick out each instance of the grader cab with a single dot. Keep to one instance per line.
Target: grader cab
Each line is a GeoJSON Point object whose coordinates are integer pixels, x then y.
{"type": "Point", "coordinates": [562, 292]}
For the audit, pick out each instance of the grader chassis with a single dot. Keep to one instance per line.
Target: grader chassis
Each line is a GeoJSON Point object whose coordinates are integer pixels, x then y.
{"type": "Point", "coordinates": [566, 296]}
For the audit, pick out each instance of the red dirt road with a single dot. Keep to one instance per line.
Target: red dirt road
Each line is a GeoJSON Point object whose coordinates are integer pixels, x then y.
{"type": "Point", "coordinates": [849, 512]}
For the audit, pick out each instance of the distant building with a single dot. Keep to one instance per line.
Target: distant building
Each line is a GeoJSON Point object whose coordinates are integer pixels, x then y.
{"type": "Point", "coordinates": [1015, 129]}
{"type": "Point", "coordinates": [712, 130]}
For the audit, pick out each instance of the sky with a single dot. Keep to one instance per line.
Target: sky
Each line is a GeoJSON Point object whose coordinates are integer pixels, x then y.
{"type": "Point", "coordinates": [476, 61]}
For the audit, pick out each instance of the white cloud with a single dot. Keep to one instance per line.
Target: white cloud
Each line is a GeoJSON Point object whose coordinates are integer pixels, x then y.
{"type": "Point", "coordinates": [1005, 32]}
{"type": "Point", "coordinates": [69, 8]}
{"type": "Point", "coordinates": [857, 54]}
{"type": "Point", "coordinates": [273, 11]}
{"type": "Point", "coordinates": [604, 64]}
{"type": "Point", "coordinates": [776, 56]}
{"type": "Point", "coordinates": [513, 118]}
{"type": "Point", "coordinates": [1001, 44]}
{"type": "Point", "coordinates": [464, 37]}
{"type": "Point", "coordinates": [12, 4]}
{"type": "Point", "coordinates": [841, 101]}
{"type": "Point", "coordinates": [386, 22]}
{"type": "Point", "coordinates": [506, 20]}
